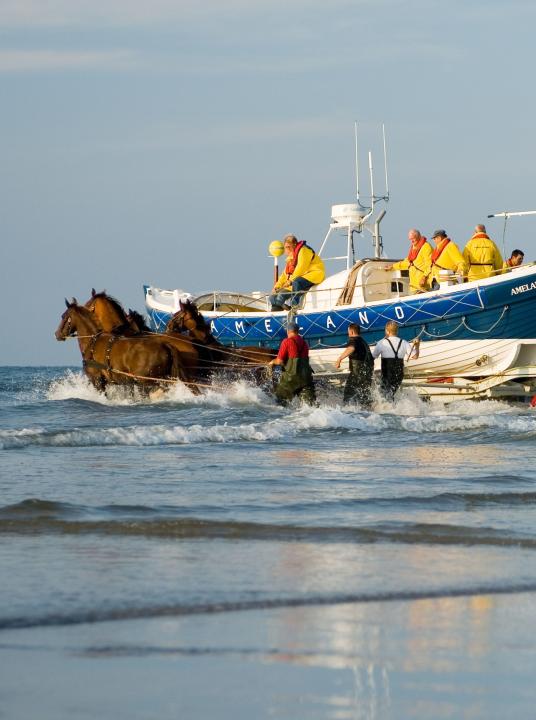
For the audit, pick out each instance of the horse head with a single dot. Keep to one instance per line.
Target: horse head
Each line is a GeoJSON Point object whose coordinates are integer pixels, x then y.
{"type": "Point", "coordinates": [177, 323]}
{"type": "Point", "coordinates": [137, 321]}
{"type": "Point", "coordinates": [75, 319]}
{"type": "Point", "coordinates": [187, 319]}
{"type": "Point", "coordinates": [107, 311]}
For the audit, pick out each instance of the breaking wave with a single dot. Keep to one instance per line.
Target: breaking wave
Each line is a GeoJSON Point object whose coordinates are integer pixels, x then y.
{"type": "Point", "coordinates": [35, 516]}
{"type": "Point", "coordinates": [124, 612]}
{"type": "Point", "coordinates": [270, 428]}
{"type": "Point", "coordinates": [75, 386]}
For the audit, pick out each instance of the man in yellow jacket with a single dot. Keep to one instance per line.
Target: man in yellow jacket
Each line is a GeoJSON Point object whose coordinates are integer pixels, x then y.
{"type": "Point", "coordinates": [515, 260]}
{"type": "Point", "coordinates": [303, 270]}
{"type": "Point", "coordinates": [482, 256]}
{"type": "Point", "coordinates": [445, 256]}
{"type": "Point", "coordinates": [417, 262]}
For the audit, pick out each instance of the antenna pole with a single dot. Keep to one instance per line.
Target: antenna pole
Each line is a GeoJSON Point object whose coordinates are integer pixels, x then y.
{"type": "Point", "coordinates": [371, 180]}
{"type": "Point", "coordinates": [385, 163]}
{"type": "Point", "coordinates": [507, 215]}
{"type": "Point", "coordinates": [356, 165]}
{"type": "Point", "coordinates": [513, 214]}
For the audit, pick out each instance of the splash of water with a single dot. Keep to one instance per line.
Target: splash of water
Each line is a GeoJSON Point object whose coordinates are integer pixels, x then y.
{"type": "Point", "coordinates": [76, 386]}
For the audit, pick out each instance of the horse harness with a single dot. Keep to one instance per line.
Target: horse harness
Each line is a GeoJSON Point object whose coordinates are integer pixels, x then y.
{"type": "Point", "coordinates": [95, 364]}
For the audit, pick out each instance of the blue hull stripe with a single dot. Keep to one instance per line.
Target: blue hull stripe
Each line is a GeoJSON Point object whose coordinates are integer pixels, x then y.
{"type": "Point", "coordinates": [502, 310]}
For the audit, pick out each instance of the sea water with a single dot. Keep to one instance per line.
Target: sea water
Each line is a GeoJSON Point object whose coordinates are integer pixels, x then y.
{"type": "Point", "coordinates": [218, 556]}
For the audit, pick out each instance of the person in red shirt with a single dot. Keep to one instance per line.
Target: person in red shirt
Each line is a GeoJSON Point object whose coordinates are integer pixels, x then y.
{"type": "Point", "coordinates": [297, 377]}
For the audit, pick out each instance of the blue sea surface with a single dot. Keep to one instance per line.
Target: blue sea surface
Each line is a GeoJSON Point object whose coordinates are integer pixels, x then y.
{"type": "Point", "coordinates": [227, 511]}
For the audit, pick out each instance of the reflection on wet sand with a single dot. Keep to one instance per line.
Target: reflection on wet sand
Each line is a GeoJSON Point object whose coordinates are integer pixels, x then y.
{"type": "Point", "coordinates": [385, 645]}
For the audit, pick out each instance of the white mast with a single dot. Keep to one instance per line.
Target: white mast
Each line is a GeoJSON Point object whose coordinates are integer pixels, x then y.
{"type": "Point", "coordinates": [355, 217]}
{"type": "Point", "coordinates": [371, 181]}
{"type": "Point", "coordinates": [385, 164]}
{"type": "Point", "coordinates": [356, 165]}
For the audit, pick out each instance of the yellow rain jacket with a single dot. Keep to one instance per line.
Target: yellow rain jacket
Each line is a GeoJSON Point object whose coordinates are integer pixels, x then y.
{"type": "Point", "coordinates": [308, 265]}
{"type": "Point", "coordinates": [506, 266]}
{"type": "Point", "coordinates": [418, 267]}
{"type": "Point", "coordinates": [482, 257]}
{"type": "Point", "coordinates": [446, 256]}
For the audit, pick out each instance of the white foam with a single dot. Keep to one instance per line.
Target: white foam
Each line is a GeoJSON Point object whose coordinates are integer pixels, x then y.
{"type": "Point", "coordinates": [300, 420]}
{"type": "Point", "coordinates": [76, 386]}
{"type": "Point", "coordinates": [236, 393]}
{"type": "Point", "coordinates": [408, 414]}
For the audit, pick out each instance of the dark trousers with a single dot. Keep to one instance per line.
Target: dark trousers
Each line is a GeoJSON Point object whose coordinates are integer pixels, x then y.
{"type": "Point", "coordinates": [296, 381]}
{"type": "Point", "coordinates": [359, 387]}
{"type": "Point", "coordinates": [299, 287]}
{"type": "Point", "coordinates": [392, 376]}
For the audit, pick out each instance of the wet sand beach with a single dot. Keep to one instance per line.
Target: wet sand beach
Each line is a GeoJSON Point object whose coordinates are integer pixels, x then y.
{"type": "Point", "coordinates": [449, 657]}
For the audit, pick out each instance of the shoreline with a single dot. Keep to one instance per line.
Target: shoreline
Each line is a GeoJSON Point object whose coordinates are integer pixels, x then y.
{"type": "Point", "coordinates": [442, 657]}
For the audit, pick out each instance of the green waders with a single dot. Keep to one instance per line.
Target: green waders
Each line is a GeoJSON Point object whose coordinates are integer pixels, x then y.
{"type": "Point", "coordinates": [296, 381]}
{"type": "Point", "coordinates": [359, 382]}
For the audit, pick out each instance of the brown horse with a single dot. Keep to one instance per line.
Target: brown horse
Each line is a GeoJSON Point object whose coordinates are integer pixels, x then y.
{"type": "Point", "coordinates": [111, 359]}
{"type": "Point", "coordinates": [110, 314]}
{"type": "Point", "coordinates": [137, 322]}
{"type": "Point", "coordinates": [217, 356]}
{"type": "Point", "coordinates": [111, 317]}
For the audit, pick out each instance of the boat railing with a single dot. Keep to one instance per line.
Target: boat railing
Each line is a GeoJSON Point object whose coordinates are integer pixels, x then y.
{"type": "Point", "coordinates": [328, 297]}
{"type": "Point", "coordinates": [316, 298]}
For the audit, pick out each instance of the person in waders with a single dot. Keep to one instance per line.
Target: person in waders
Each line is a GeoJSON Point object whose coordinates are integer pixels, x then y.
{"type": "Point", "coordinates": [297, 377]}
{"type": "Point", "coordinates": [359, 382]}
{"type": "Point", "coordinates": [393, 350]}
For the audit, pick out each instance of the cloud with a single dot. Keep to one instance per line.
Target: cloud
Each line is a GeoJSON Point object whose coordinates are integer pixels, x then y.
{"type": "Point", "coordinates": [128, 13]}
{"type": "Point", "coordinates": [58, 13]}
{"type": "Point", "coordinates": [31, 61]}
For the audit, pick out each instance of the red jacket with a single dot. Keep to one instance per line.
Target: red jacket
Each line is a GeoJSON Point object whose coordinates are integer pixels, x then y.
{"type": "Point", "coordinates": [293, 347]}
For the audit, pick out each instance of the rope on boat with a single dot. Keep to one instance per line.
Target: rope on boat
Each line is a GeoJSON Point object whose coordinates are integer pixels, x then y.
{"type": "Point", "coordinates": [464, 324]}
{"type": "Point", "coordinates": [251, 366]}
{"type": "Point", "coordinates": [483, 332]}
{"type": "Point", "coordinates": [424, 331]}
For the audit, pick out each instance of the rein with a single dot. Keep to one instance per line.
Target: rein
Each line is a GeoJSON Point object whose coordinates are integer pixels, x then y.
{"type": "Point", "coordinates": [217, 346]}
{"type": "Point", "coordinates": [172, 381]}
{"type": "Point", "coordinates": [245, 363]}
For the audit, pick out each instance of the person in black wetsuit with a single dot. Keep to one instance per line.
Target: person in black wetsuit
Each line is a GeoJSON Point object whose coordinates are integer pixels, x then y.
{"type": "Point", "coordinates": [359, 383]}
{"type": "Point", "coordinates": [393, 350]}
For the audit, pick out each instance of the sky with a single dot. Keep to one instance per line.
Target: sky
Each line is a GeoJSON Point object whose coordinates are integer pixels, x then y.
{"type": "Point", "coordinates": [169, 142]}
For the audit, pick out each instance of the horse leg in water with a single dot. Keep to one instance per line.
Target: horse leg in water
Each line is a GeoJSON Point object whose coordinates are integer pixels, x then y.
{"type": "Point", "coordinates": [100, 383]}
{"type": "Point", "coordinates": [179, 372]}
{"type": "Point", "coordinates": [95, 375]}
